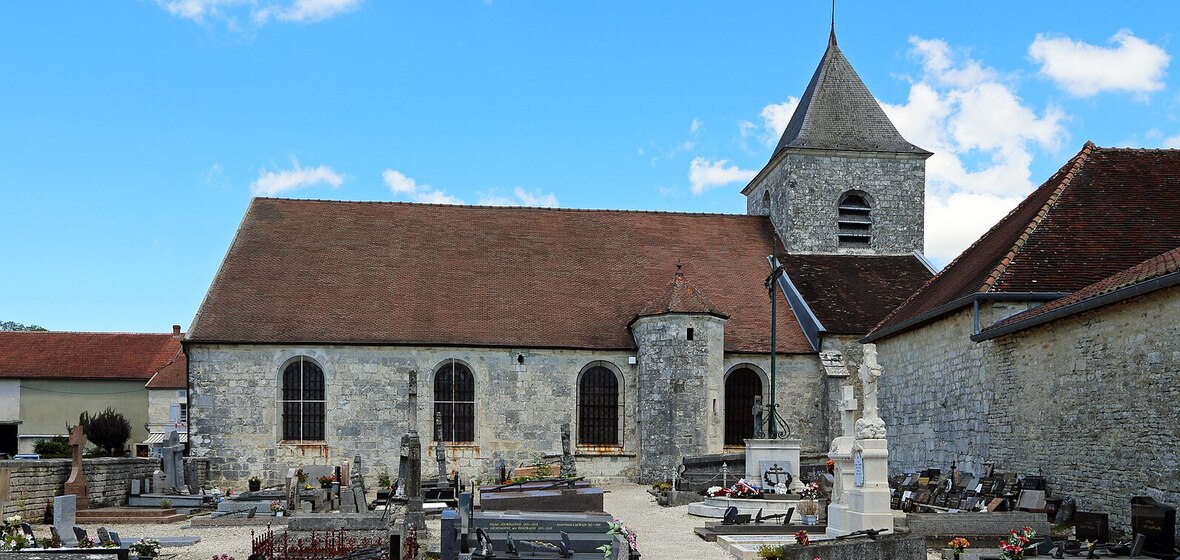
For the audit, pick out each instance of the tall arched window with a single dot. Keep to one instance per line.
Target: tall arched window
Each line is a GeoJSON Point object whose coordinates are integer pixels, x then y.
{"type": "Point", "coordinates": [303, 401]}
{"type": "Point", "coordinates": [598, 407]}
{"type": "Point", "coordinates": [454, 397]}
{"type": "Point", "coordinates": [741, 387]}
{"type": "Point", "coordinates": [854, 223]}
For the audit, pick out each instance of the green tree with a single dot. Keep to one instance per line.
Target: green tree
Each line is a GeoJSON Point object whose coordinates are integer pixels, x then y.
{"type": "Point", "coordinates": [108, 430]}
{"type": "Point", "coordinates": [14, 326]}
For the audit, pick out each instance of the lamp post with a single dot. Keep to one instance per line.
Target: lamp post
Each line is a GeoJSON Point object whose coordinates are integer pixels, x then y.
{"type": "Point", "coordinates": [771, 288]}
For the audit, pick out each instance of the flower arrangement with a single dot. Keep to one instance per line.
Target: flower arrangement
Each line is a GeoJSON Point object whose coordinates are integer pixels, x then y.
{"type": "Point", "coordinates": [959, 544]}
{"type": "Point", "coordinates": [86, 542]}
{"type": "Point", "coordinates": [326, 481]}
{"type": "Point", "coordinates": [277, 506]}
{"type": "Point", "coordinates": [811, 491]}
{"type": "Point", "coordinates": [13, 537]}
{"type": "Point", "coordinates": [802, 538]}
{"type": "Point", "coordinates": [617, 528]}
{"type": "Point", "coordinates": [740, 489]}
{"type": "Point", "coordinates": [1012, 548]}
{"type": "Point", "coordinates": [149, 548]}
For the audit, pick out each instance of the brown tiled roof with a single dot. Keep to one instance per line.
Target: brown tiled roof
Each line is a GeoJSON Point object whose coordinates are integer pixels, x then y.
{"type": "Point", "coordinates": [1104, 211]}
{"type": "Point", "coordinates": [421, 274]}
{"type": "Point", "coordinates": [80, 355]}
{"type": "Point", "coordinates": [1137, 280]}
{"type": "Point", "coordinates": [171, 376]}
{"type": "Point", "coordinates": [680, 296]}
{"type": "Point", "coordinates": [851, 293]}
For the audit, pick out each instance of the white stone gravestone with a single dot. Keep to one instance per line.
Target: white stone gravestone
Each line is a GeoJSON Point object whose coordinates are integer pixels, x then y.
{"type": "Point", "coordinates": [65, 511]}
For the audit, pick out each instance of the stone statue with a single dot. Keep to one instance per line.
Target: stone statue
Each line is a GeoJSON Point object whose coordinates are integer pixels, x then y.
{"type": "Point", "coordinates": [757, 410]}
{"type": "Point", "coordinates": [870, 426]}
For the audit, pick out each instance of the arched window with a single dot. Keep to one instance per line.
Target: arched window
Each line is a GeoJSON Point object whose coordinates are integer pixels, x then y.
{"type": "Point", "coordinates": [598, 407]}
{"type": "Point", "coordinates": [454, 397]}
{"type": "Point", "coordinates": [741, 387]}
{"type": "Point", "coordinates": [854, 224]}
{"type": "Point", "coordinates": [303, 401]}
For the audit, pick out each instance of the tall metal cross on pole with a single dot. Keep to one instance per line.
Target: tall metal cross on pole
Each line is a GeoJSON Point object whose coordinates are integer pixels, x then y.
{"type": "Point", "coordinates": [772, 288]}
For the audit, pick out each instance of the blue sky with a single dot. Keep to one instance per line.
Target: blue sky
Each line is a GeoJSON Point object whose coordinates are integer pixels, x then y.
{"type": "Point", "coordinates": [133, 134]}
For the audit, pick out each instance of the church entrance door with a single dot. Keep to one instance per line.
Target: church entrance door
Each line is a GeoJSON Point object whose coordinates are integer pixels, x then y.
{"type": "Point", "coordinates": [741, 387]}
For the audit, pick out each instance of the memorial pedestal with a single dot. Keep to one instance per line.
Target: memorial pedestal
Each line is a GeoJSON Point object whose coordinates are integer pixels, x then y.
{"type": "Point", "coordinates": [868, 499]}
{"type": "Point", "coordinates": [763, 454]}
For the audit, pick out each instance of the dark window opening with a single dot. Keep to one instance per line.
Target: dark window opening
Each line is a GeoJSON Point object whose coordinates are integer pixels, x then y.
{"type": "Point", "coordinates": [454, 397]}
{"type": "Point", "coordinates": [740, 389]}
{"type": "Point", "coordinates": [598, 407]}
{"type": "Point", "coordinates": [690, 333]}
{"type": "Point", "coordinates": [303, 401]}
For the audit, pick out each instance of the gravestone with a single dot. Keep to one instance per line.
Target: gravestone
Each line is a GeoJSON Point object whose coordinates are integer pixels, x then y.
{"type": "Point", "coordinates": [1031, 499]}
{"type": "Point", "coordinates": [65, 511]}
{"type": "Point", "coordinates": [347, 501]}
{"type": "Point", "coordinates": [104, 538]}
{"type": "Point", "coordinates": [190, 477]}
{"type": "Point", "coordinates": [414, 516]}
{"type": "Point", "coordinates": [440, 451]}
{"type": "Point", "coordinates": [172, 457]}
{"type": "Point", "coordinates": [1091, 526]}
{"type": "Point", "coordinates": [1156, 522]}
{"type": "Point", "coordinates": [136, 487]}
{"type": "Point", "coordinates": [159, 482]}
{"type": "Point", "coordinates": [567, 457]}
{"type": "Point", "coordinates": [55, 536]}
{"type": "Point", "coordinates": [77, 484]}
{"type": "Point", "coordinates": [79, 534]}
{"type": "Point", "coordinates": [403, 463]}
{"type": "Point", "coordinates": [358, 486]}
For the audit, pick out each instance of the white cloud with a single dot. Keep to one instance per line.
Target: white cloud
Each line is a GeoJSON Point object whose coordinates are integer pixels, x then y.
{"type": "Point", "coordinates": [775, 118]}
{"type": "Point", "coordinates": [1082, 69]}
{"type": "Point", "coordinates": [305, 11]}
{"type": "Point", "coordinates": [1172, 141]}
{"type": "Point", "coordinates": [270, 183]}
{"type": "Point", "coordinates": [400, 184]}
{"type": "Point", "coordinates": [522, 198]}
{"type": "Point", "coordinates": [695, 126]}
{"type": "Point", "coordinates": [298, 11]}
{"type": "Point", "coordinates": [982, 135]}
{"type": "Point", "coordinates": [704, 174]}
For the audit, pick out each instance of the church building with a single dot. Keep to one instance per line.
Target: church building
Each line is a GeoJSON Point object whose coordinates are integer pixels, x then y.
{"type": "Point", "coordinates": [650, 333]}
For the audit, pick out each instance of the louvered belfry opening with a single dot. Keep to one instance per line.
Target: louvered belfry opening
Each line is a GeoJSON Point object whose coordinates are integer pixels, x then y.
{"type": "Point", "coordinates": [854, 222]}
{"type": "Point", "coordinates": [598, 407]}
{"type": "Point", "coordinates": [740, 389]}
{"type": "Point", "coordinates": [454, 397]}
{"type": "Point", "coordinates": [303, 401]}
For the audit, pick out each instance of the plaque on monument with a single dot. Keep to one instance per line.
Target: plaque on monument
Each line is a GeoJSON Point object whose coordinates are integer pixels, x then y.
{"type": "Point", "coordinates": [858, 470]}
{"type": "Point", "coordinates": [1092, 526]}
{"type": "Point", "coordinates": [1031, 500]}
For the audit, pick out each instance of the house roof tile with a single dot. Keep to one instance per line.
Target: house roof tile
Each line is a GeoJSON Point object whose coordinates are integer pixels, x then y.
{"type": "Point", "coordinates": [83, 355]}
{"type": "Point", "coordinates": [851, 293]}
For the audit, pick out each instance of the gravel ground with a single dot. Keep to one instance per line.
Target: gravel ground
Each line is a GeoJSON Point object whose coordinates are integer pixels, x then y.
{"type": "Point", "coordinates": [663, 533]}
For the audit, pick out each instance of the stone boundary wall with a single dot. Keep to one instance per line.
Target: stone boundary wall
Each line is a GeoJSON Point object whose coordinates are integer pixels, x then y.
{"type": "Point", "coordinates": [1088, 401]}
{"type": "Point", "coordinates": [33, 484]}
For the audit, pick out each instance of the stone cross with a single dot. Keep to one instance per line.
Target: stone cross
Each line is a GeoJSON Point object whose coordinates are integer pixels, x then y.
{"type": "Point", "coordinates": [172, 457]}
{"type": "Point", "coordinates": [848, 407]}
{"type": "Point", "coordinates": [567, 457]}
{"type": "Point", "coordinates": [77, 484]}
{"type": "Point", "coordinates": [414, 516]}
{"type": "Point", "coordinates": [440, 451]}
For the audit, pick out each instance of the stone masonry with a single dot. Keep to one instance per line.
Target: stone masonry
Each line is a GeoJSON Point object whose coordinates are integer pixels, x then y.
{"type": "Point", "coordinates": [33, 484]}
{"type": "Point", "coordinates": [1088, 401]}
{"type": "Point", "coordinates": [802, 189]}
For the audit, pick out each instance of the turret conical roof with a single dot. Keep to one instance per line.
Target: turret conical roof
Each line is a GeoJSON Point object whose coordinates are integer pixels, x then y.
{"type": "Point", "coordinates": [837, 112]}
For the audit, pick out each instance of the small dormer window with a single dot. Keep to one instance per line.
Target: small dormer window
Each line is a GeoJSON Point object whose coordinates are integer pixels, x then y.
{"type": "Point", "coordinates": [854, 222]}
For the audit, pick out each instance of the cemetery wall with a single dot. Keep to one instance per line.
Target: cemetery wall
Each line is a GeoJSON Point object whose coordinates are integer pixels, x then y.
{"type": "Point", "coordinates": [234, 418]}
{"type": "Point", "coordinates": [1089, 401]}
{"type": "Point", "coordinates": [935, 396]}
{"type": "Point", "coordinates": [804, 190]}
{"type": "Point", "coordinates": [33, 484]}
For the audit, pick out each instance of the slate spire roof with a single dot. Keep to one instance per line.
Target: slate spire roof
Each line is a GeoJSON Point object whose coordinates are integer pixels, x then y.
{"type": "Point", "coordinates": [837, 112]}
{"type": "Point", "coordinates": [680, 296]}
{"type": "Point", "coordinates": [1104, 211]}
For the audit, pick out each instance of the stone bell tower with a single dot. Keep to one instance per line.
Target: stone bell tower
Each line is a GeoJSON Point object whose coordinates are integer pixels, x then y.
{"type": "Point", "coordinates": [842, 180]}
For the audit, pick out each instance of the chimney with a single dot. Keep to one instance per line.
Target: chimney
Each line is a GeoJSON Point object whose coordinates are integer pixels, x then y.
{"type": "Point", "coordinates": [175, 331]}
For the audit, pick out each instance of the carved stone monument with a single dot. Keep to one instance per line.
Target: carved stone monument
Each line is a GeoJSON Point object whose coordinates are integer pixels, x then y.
{"type": "Point", "coordinates": [567, 457]}
{"type": "Point", "coordinates": [868, 499]}
{"type": "Point", "coordinates": [172, 464]}
{"type": "Point", "coordinates": [77, 484]}
{"type": "Point", "coordinates": [841, 454]}
{"type": "Point", "coordinates": [414, 517]}
{"type": "Point", "coordinates": [440, 451]}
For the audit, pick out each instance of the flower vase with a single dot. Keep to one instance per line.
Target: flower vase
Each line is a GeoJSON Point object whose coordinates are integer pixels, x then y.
{"type": "Point", "coordinates": [279, 513]}
{"type": "Point", "coordinates": [810, 519]}
{"type": "Point", "coordinates": [957, 553]}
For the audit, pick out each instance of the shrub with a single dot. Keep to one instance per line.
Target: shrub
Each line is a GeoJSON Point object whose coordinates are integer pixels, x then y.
{"type": "Point", "coordinates": [56, 447]}
{"type": "Point", "coordinates": [108, 429]}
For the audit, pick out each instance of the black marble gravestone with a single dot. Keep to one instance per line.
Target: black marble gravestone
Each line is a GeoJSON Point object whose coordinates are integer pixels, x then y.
{"type": "Point", "coordinates": [1092, 526]}
{"type": "Point", "coordinates": [1157, 523]}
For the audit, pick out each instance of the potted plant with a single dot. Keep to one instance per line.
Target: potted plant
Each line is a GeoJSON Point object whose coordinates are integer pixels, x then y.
{"type": "Point", "coordinates": [809, 503]}
{"type": "Point", "coordinates": [145, 548]}
{"type": "Point", "coordinates": [277, 508]}
{"type": "Point", "coordinates": [255, 484]}
{"type": "Point", "coordinates": [326, 481]}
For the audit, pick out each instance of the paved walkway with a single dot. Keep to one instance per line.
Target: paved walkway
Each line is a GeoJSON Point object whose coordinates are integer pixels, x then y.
{"type": "Point", "coordinates": [663, 533]}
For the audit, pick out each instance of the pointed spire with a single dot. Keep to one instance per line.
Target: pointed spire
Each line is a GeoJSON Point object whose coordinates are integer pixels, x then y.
{"type": "Point", "coordinates": [680, 296]}
{"type": "Point", "coordinates": [837, 112]}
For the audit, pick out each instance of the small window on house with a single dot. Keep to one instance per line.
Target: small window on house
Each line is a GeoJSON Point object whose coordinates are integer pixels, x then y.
{"type": "Point", "coordinates": [854, 223]}
{"type": "Point", "coordinates": [454, 397]}
{"type": "Point", "coordinates": [182, 413]}
{"type": "Point", "coordinates": [303, 401]}
{"type": "Point", "coordinates": [690, 333]}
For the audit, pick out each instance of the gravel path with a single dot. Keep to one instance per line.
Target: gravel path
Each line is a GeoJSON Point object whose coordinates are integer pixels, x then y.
{"type": "Point", "coordinates": [663, 533]}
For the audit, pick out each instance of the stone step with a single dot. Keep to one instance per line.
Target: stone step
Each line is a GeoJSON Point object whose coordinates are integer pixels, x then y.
{"type": "Point", "coordinates": [153, 500]}
{"type": "Point", "coordinates": [125, 512]}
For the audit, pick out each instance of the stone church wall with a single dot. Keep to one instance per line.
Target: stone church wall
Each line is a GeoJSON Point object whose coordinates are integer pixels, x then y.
{"type": "Point", "coordinates": [805, 190]}
{"type": "Point", "coordinates": [519, 407]}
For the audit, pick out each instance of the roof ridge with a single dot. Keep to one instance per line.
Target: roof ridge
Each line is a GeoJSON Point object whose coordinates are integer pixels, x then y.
{"type": "Point", "coordinates": [1074, 168]}
{"type": "Point", "coordinates": [498, 207]}
{"type": "Point", "coordinates": [112, 333]}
